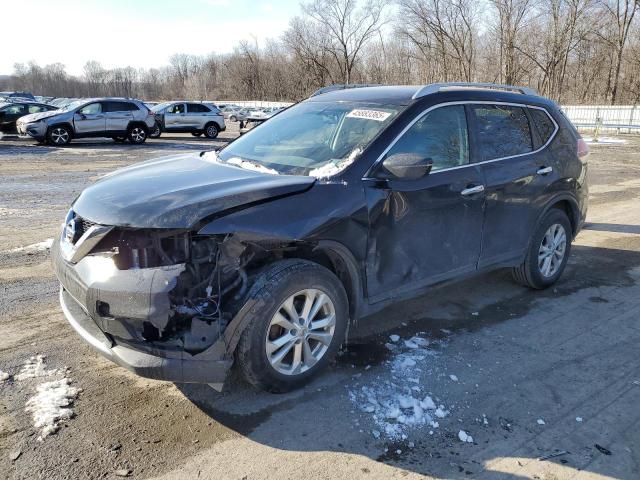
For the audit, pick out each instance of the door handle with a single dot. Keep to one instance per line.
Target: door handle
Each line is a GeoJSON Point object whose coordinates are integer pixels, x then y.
{"type": "Point", "coordinates": [544, 170]}
{"type": "Point", "coordinates": [472, 190]}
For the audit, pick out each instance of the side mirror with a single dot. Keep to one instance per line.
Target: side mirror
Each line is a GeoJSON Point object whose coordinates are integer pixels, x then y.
{"type": "Point", "coordinates": [408, 166]}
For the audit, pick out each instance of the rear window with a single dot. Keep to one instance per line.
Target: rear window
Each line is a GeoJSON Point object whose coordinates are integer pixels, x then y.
{"type": "Point", "coordinates": [504, 131]}
{"type": "Point", "coordinates": [197, 108]}
{"type": "Point", "coordinates": [543, 123]}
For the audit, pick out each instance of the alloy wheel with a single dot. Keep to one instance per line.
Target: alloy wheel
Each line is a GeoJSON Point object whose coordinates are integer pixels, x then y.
{"type": "Point", "coordinates": [59, 136]}
{"type": "Point", "coordinates": [138, 135]}
{"type": "Point", "coordinates": [300, 332]}
{"type": "Point", "coordinates": [552, 250]}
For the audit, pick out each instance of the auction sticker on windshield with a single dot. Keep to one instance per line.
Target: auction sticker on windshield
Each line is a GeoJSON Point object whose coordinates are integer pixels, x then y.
{"type": "Point", "coordinates": [377, 115]}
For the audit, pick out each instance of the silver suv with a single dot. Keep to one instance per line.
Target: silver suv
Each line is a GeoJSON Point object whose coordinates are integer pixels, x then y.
{"type": "Point", "coordinates": [118, 118]}
{"type": "Point", "coordinates": [196, 118]}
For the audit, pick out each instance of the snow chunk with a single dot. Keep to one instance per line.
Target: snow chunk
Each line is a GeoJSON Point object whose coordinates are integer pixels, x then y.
{"type": "Point", "coordinates": [465, 437]}
{"type": "Point", "coordinates": [50, 405]}
{"type": "Point", "coordinates": [4, 376]}
{"type": "Point", "coordinates": [428, 403]}
{"type": "Point", "coordinates": [256, 167]}
{"type": "Point", "coordinates": [336, 166]}
{"type": "Point", "coordinates": [578, 419]}
{"type": "Point", "coordinates": [394, 338]}
{"type": "Point", "coordinates": [35, 367]}
{"type": "Point", "coordinates": [541, 421]}
{"type": "Point", "coordinates": [604, 141]}
{"type": "Point", "coordinates": [453, 378]}
{"type": "Point", "coordinates": [35, 247]}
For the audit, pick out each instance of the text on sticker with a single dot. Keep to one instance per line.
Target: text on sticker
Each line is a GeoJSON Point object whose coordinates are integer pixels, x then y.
{"type": "Point", "coordinates": [376, 115]}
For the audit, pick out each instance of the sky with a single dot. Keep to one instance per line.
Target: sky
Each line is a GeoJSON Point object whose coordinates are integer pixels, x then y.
{"type": "Point", "coordinates": [137, 33]}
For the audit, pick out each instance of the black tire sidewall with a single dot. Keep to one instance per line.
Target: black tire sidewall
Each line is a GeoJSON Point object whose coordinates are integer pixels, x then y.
{"type": "Point", "coordinates": [273, 290]}
{"type": "Point", "coordinates": [553, 216]}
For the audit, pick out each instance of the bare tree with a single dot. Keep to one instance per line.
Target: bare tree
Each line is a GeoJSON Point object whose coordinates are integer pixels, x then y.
{"type": "Point", "coordinates": [348, 26]}
{"type": "Point", "coordinates": [620, 14]}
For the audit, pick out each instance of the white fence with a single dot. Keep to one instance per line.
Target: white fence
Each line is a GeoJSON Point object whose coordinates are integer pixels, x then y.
{"type": "Point", "coordinates": [618, 118]}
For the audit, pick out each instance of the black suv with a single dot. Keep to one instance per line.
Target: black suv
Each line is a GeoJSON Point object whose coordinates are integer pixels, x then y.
{"type": "Point", "coordinates": [263, 252]}
{"type": "Point", "coordinates": [11, 111]}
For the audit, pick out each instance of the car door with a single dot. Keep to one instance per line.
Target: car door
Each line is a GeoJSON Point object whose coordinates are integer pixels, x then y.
{"type": "Point", "coordinates": [118, 115]}
{"type": "Point", "coordinates": [426, 230]}
{"type": "Point", "coordinates": [196, 116]}
{"type": "Point", "coordinates": [518, 174]}
{"type": "Point", "coordinates": [89, 120]}
{"type": "Point", "coordinates": [174, 116]}
{"type": "Point", "coordinates": [9, 115]}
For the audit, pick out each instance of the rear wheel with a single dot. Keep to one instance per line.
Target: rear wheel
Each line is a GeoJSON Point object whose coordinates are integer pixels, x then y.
{"type": "Point", "coordinates": [295, 327]}
{"type": "Point", "coordinates": [59, 135]}
{"type": "Point", "coordinates": [211, 130]}
{"type": "Point", "coordinates": [137, 135]}
{"type": "Point", "coordinates": [548, 251]}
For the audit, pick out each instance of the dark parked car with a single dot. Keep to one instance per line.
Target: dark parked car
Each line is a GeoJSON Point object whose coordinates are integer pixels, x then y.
{"type": "Point", "coordinates": [10, 112]}
{"type": "Point", "coordinates": [263, 252]}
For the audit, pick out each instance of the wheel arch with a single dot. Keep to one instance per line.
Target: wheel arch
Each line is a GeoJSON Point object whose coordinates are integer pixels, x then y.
{"type": "Point", "coordinates": [569, 205]}
{"type": "Point", "coordinates": [67, 125]}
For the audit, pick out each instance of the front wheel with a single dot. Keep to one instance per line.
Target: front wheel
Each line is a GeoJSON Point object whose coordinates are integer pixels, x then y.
{"type": "Point", "coordinates": [211, 131]}
{"type": "Point", "coordinates": [233, 118]}
{"type": "Point", "coordinates": [548, 251]}
{"type": "Point", "coordinates": [59, 136]}
{"type": "Point", "coordinates": [295, 327]}
{"type": "Point", "coordinates": [156, 132]}
{"type": "Point", "coordinates": [137, 135]}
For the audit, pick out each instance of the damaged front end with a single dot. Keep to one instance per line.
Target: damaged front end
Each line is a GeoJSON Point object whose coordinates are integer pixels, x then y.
{"type": "Point", "coordinates": [158, 302]}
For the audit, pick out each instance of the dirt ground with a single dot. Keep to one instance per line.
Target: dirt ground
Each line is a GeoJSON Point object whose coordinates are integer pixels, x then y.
{"type": "Point", "coordinates": [518, 356]}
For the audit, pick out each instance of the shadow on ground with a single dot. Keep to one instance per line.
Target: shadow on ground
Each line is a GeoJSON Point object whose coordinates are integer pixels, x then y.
{"type": "Point", "coordinates": [478, 304]}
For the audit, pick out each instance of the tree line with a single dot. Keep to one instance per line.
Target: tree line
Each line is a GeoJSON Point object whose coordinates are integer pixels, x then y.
{"type": "Point", "coordinates": [574, 51]}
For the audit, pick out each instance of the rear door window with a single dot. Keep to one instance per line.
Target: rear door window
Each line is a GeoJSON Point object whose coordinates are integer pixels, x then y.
{"type": "Point", "coordinates": [440, 135]}
{"type": "Point", "coordinates": [197, 108]}
{"type": "Point", "coordinates": [503, 131]}
{"type": "Point", "coordinates": [543, 123]}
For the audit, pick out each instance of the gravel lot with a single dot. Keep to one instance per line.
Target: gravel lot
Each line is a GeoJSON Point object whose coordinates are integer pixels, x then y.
{"type": "Point", "coordinates": [500, 358]}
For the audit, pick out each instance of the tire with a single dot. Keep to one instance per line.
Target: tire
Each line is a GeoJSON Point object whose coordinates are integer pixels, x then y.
{"type": "Point", "coordinates": [119, 139]}
{"type": "Point", "coordinates": [211, 130]}
{"type": "Point", "coordinates": [285, 285]}
{"type": "Point", "coordinates": [137, 134]}
{"type": "Point", "coordinates": [156, 132]}
{"type": "Point", "coordinates": [59, 135]}
{"type": "Point", "coordinates": [233, 118]}
{"type": "Point", "coordinates": [196, 134]}
{"type": "Point", "coordinates": [543, 265]}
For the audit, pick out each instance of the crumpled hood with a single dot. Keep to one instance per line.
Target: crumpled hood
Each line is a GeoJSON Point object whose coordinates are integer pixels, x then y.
{"type": "Point", "coordinates": [178, 191]}
{"type": "Point", "coordinates": [34, 117]}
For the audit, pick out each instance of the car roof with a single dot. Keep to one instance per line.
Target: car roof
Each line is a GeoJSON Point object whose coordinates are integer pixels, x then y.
{"type": "Point", "coordinates": [408, 94]}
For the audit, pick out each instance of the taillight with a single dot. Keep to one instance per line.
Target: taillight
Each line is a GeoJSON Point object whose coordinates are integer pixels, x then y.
{"type": "Point", "coordinates": [583, 148]}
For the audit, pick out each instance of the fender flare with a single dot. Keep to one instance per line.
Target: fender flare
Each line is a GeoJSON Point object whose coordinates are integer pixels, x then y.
{"type": "Point", "coordinates": [575, 210]}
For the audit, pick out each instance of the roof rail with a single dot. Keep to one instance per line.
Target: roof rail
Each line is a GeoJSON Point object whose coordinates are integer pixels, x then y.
{"type": "Point", "coordinates": [342, 86]}
{"type": "Point", "coordinates": [440, 87]}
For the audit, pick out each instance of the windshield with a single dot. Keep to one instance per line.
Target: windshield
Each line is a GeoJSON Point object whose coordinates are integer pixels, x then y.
{"type": "Point", "coordinates": [160, 106]}
{"type": "Point", "coordinates": [311, 138]}
{"type": "Point", "coordinates": [72, 105]}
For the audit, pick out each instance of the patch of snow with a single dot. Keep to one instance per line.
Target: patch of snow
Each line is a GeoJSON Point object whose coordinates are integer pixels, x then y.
{"type": "Point", "coordinates": [334, 167]}
{"type": "Point", "coordinates": [4, 376]}
{"type": "Point", "coordinates": [465, 437]}
{"type": "Point", "coordinates": [604, 141]}
{"type": "Point", "coordinates": [51, 405]}
{"type": "Point", "coordinates": [453, 378]}
{"type": "Point", "coordinates": [34, 368]}
{"type": "Point", "coordinates": [34, 247]}
{"type": "Point", "coordinates": [256, 167]}
{"type": "Point", "coordinates": [394, 338]}
{"type": "Point", "coordinates": [578, 419]}
{"type": "Point", "coordinates": [541, 421]}
{"type": "Point", "coordinates": [395, 399]}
